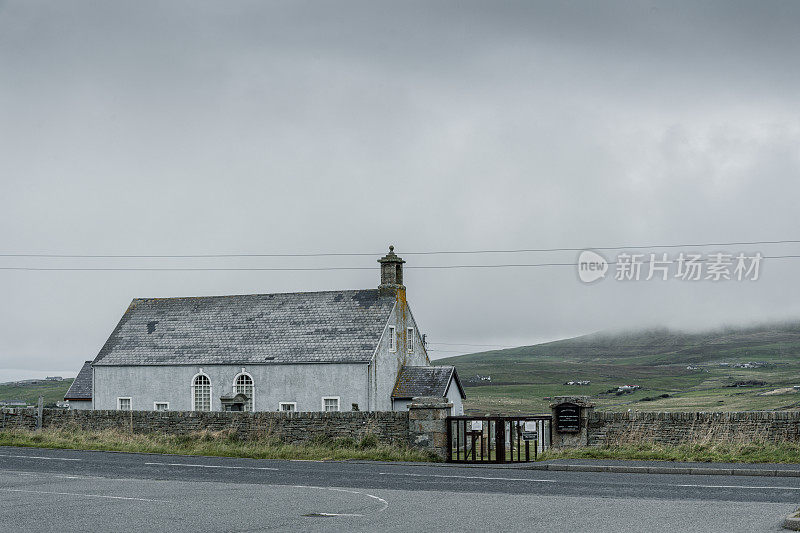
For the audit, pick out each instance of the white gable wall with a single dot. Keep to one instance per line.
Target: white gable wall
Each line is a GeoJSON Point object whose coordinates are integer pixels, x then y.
{"type": "Point", "coordinates": [455, 398]}
{"type": "Point", "coordinates": [386, 365]}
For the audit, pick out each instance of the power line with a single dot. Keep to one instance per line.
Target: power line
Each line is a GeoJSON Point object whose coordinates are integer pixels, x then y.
{"type": "Point", "coordinates": [467, 344]}
{"type": "Point", "coordinates": [371, 254]}
{"type": "Point", "coordinates": [301, 269]}
{"type": "Point", "coordinates": [182, 269]}
{"type": "Point", "coordinates": [632, 247]}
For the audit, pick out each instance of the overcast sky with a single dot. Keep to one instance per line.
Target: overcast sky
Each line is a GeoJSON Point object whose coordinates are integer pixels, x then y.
{"type": "Point", "coordinates": [280, 127]}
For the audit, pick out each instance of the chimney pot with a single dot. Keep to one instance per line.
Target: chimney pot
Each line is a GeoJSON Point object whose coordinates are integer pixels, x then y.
{"type": "Point", "coordinates": [391, 272]}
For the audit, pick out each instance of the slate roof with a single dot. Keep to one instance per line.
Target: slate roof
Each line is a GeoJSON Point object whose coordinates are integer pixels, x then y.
{"type": "Point", "coordinates": [81, 388]}
{"type": "Point", "coordinates": [413, 381]}
{"type": "Point", "coordinates": [300, 327]}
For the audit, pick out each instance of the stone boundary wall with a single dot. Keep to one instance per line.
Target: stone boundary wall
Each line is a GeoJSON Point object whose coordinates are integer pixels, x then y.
{"type": "Point", "coordinates": [680, 428]}
{"type": "Point", "coordinates": [427, 424]}
{"type": "Point", "coordinates": [293, 428]}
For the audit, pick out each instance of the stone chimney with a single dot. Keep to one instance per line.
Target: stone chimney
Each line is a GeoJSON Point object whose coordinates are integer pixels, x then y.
{"type": "Point", "coordinates": [391, 272]}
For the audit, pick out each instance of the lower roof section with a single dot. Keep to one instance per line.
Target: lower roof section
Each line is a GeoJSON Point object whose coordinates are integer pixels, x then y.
{"type": "Point", "coordinates": [416, 381]}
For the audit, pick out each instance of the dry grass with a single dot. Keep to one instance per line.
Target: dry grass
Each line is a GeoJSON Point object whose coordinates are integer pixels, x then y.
{"type": "Point", "coordinates": [221, 444]}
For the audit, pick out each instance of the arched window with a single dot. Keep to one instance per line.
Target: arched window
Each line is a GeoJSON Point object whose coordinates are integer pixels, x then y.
{"type": "Point", "coordinates": [244, 384]}
{"type": "Point", "coordinates": [201, 393]}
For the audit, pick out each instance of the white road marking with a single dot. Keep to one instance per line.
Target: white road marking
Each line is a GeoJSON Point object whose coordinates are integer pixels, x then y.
{"type": "Point", "coordinates": [471, 477]}
{"type": "Point", "coordinates": [384, 503]}
{"type": "Point", "coordinates": [84, 495]}
{"type": "Point", "coordinates": [214, 466]}
{"type": "Point", "coordinates": [335, 514]}
{"type": "Point", "coordinates": [38, 457]}
{"type": "Point", "coordinates": [43, 474]}
{"type": "Point", "coordinates": [59, 476]}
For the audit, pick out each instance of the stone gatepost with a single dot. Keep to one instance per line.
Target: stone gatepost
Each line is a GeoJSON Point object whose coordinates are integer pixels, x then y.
{"type": "Point", "coordinates": [570, 421]}
{"type": "Point", "coordinates": [427, 424]}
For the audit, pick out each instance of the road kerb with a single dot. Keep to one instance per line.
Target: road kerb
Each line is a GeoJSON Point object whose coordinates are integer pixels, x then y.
{"type": "Point", "coordinates": [668, 470]}
{"type": "Point", "coordinates": [710, 471]}
{"type": "Point", "coordinates": [755, 472]}
{"type": "Point", "coordinates": [586, 468]}
{"type": "Point", "coordinates": [695, 471]}
{"type": "Point", "coordinates": [792, 521]}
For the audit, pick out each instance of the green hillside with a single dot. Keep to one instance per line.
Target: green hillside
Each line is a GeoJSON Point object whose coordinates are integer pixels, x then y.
{"type": "Point", "coordinates": [698, 371]}
{"type": "Point", "coordinates": [52, 391]}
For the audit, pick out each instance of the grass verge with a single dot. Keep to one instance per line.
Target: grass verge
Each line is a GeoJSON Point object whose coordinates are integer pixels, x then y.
{"type": "Point", "coordinates": [219, 444]}
{"type": "Point", "coordinates": [754, 452]}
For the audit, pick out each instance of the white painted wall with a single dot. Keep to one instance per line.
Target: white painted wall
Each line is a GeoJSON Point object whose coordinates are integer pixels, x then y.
{"type": "Point", "coordinates": [79, 405]}
{"type": "Point", "coordinates": [455, 398]}
{"type": "Point", "coordinates": [304, 384]}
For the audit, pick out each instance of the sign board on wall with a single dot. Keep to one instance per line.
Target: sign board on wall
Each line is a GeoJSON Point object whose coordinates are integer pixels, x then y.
{"type": "Point", "coordinates": [568, 418]}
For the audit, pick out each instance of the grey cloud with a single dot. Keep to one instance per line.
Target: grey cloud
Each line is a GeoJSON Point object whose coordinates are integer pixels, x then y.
{"type": "Point", "coordinates": [190, 127]}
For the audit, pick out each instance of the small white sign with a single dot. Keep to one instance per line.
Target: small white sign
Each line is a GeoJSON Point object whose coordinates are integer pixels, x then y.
{"type": "Point", "coordinates": [477, 425]}
{"type": "Point", "coordinates": [530, 425]}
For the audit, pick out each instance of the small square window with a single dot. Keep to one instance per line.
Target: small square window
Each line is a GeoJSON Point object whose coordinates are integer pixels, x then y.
{"type": "Point", "coordinates": [392, 339]}
{"type": "Point", "coordinates": [123, 404]}
{"type": "Point", "coordinates": [162, 406]}
{"type": "Point", "coordinates": [330, 404]}
{"type": "Point", "coordinates": [410, 340]}
{"type": "Point", "coordinates": [288, 406]}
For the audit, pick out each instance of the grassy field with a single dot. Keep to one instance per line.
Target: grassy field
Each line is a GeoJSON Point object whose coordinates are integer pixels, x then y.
{"type": "Point", "coordinates": [524, 378]}
{"type": "Point", "coordinates": [218, 444]}
{"type": "Point", "coordinates": [53, 391]}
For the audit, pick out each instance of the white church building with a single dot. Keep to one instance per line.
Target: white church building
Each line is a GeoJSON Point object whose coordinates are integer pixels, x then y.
{"type": "Point", "coordinates": [306, 351]}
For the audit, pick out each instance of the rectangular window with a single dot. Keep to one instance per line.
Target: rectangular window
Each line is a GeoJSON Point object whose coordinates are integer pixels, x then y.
{"type": "Point", "coordinates": [288, 406]}
{"type": "Point", "coordinates": [161, 406]}
{"type": "Point", "coordinates": [123, 404]}
{"type": "Point", "coordinates": [410, 340]}
{"type": "Point", "coordinates": [330, 404]}
{"type": "Point", "coordinates": [392, 339]}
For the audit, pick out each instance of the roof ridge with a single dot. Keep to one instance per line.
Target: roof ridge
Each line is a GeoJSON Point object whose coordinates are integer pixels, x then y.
{"type": "Point", "coordinates": [255, 294]}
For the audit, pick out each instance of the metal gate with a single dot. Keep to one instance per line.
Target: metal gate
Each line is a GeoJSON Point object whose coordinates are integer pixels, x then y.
{"type": "Point", "coordinates": [497, 439]}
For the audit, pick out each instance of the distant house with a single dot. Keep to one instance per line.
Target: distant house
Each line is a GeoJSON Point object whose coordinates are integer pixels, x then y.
{"type": "Point", "coordinates": [14, 403]}
{"type": "Point", "coordinates": [303, 351]}
{"type": "Point", "coordinates": [79, 394]}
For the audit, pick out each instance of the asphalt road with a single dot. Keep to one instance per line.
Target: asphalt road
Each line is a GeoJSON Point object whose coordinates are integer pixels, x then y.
{"type": "Point", "coordinates": [58, 490]}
